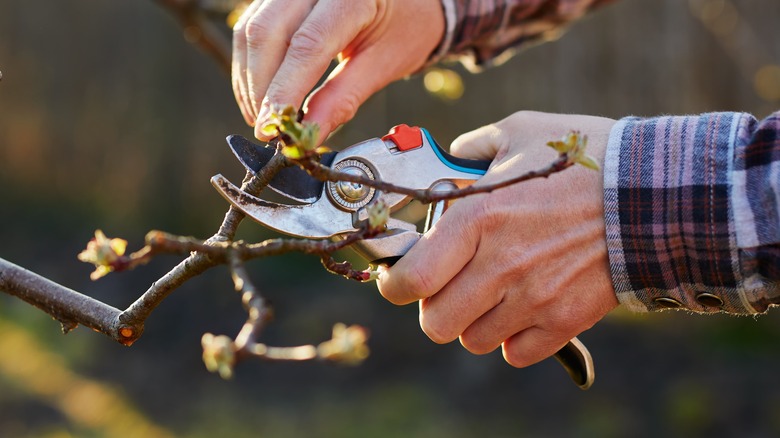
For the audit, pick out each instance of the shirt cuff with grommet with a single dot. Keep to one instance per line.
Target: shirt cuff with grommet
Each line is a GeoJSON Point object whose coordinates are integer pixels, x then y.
{"type": "Point", "coordinates": [691, 210]}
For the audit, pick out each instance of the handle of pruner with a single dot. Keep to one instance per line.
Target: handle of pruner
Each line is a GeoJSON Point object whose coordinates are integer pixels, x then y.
{"type": "Point", "coordinates": [577, 361]}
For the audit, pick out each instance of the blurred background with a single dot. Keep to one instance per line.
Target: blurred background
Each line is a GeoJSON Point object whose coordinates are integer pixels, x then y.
{"type": "Point", "coordinates": [109, 119]}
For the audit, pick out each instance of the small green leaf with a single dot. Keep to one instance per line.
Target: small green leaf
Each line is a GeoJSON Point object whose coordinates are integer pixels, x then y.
{"type": "Point", "coordinates": [309, 134]}
{"type": "Point", "coordinates": [293, 152]}
{"type": "Point", "coordinates": [589, 162]}
{"type": "Point", "coordinates": [106, 254]}
{"type": "Point", "coordinates": [559, 146]}
{"type": "Point", "coordinates": [270, 129]}
{"type": "Point", "coordinates": [288, 112]}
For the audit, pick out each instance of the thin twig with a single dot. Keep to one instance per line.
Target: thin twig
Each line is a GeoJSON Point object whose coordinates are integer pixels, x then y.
{"type": "Point", "coordinates": [260, 313]}
{"type": "Point", "coordinates": [258, 308]}
{"type": "Point", "coordinates": [198, 262]}
{"type": "Point", "coordinates": [428, 195]}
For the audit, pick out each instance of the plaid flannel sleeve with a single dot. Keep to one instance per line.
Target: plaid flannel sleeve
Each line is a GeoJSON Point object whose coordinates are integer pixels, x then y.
{"type": "Point", "coordinates": [692, 208]}
{"type": "Point", "coordinates": [485, 32]}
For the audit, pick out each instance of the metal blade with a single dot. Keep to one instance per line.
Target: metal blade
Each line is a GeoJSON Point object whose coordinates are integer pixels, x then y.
{"type": "Point", "coordinates": [291, 182]}
{"type": "Point", "coordinates": [319, 220]}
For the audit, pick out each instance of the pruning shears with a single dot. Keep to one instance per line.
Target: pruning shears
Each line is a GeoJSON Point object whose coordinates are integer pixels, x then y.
{"type": "Point", "coordinates": [406, 156]}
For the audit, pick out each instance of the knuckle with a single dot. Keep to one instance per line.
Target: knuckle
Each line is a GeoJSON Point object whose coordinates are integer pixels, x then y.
{"type": "Point", "coordinates": [520, 120]}
{"type": "Point", "coordinates": [475, 344]}
{"type": "Point", "coordinates": [521, 117]}
{"type": "Point", "coordinates": [516, 357]}
{"type": "Point", "coordinates": [532, 350]}
{"type": "Point", "coordinates": [258, 33]}
{"type": "Point", "coordinates": [306, 44]}
{"type": "Point", "coordinates": [434, 329]}
{"type": "Point", "coordinates": [418, 281]}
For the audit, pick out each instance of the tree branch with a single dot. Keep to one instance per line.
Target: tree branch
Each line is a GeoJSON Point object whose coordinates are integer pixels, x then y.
{"type": "Point", "coordinates": [71, 308]}
{"type": "Point", "coordinates": [198, 262]}
{"type": "Point", "coordinates": [66, 305]}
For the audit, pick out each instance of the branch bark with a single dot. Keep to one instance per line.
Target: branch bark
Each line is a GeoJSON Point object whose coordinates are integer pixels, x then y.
{"type": "Point", "coordinates": [66, 305]}
{"type": "Point", "coordinates": [71, 308]}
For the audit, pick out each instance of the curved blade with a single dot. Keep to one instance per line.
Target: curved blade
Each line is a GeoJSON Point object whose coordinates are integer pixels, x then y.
{"type": "Point", "coordinates": [319, 220]}
{"type": "Point", "coordinates": [577, 361]}
{"type": "Point", "coordinates": [291, 182]}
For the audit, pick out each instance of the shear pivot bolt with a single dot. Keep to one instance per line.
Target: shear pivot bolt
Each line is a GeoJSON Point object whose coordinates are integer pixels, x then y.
{"type": "Point", "coordinates": [352, 191]}
{"type": "Point", "coordinates": [351, 195]}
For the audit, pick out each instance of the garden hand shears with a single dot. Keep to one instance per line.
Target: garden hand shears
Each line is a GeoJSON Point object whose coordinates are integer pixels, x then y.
{"type": "Point", "coordinates": [407, 157]}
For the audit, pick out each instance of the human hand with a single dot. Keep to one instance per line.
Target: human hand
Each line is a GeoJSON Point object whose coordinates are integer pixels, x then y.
{"type": "Point", "coordinates": [524, 267]}
{"type": "Point", "coordinates": [282, 48]}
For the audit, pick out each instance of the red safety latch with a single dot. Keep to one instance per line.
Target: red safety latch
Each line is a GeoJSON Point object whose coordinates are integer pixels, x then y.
{"type": "Point", "coordinates": [405, 137]}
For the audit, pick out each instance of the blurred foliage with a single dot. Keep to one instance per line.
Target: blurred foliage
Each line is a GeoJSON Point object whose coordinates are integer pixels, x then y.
{"type": "Point", "coordinates": [90, 408]}
{"type": "Point", "coordinates": [110, 120]}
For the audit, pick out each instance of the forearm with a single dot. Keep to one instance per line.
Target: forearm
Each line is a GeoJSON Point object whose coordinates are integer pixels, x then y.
{"type": "Point", "coordinates": [691, 207]}
{"type": "Point", "coordinates": [485, 32]}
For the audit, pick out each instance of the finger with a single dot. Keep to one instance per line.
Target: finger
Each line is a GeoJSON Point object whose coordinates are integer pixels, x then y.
{"type": "Point", "coordinates": [448, 313]}
{"type": "Point", "coordinates": [439, 255]}
{"type": "Point", "coordinates": [238, 65]}
{"type": "Point", "coordinates": [531, 346]}
{"type": "Point", "coordinates": [481, 144]}
{"type": "Point", "coordinates": [328, 29]}
{"type": "Point", "coordinates": [492, 328]}
{"type": "Point", "coordinates": [268, 35]}
{"type": "Point", "coordinates": [478, 289]}
{"type": "Point", "coordinates": [349, 85]}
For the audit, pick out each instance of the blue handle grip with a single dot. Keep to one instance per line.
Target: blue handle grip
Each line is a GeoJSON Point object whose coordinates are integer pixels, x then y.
{"type": "Point", "coordinates": [475, 167]}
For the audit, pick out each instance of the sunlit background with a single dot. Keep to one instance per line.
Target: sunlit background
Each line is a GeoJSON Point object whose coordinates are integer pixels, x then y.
{"type": "Point", "coordinates": [110, 119]}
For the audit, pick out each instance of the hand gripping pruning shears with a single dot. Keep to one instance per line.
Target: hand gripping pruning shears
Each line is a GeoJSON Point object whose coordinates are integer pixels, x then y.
{"type": "Point", "coordinates": [406, 156]}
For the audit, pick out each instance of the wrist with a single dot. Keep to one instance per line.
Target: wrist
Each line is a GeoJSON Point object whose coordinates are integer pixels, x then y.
{"type": "Point", "coordinates": [445, 42]}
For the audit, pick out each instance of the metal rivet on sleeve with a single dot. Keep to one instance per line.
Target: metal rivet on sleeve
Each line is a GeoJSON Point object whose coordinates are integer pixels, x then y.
{"type": "Point", "coordinates": [709, 300]}
{"type": "Point", "coordinates": [668, 303]}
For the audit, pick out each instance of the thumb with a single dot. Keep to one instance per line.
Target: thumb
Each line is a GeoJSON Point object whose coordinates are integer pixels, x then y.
{"type": "Point", "coordinates": [350, 84]}
{"type": "Point", "coordinates": [481, 144]}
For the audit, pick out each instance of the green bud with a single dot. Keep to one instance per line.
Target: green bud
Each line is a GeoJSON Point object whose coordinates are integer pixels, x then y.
{"type": "Point", "coordinates": [347, 346]}
{"type": "Point", "coordinates": [218, 354]}
{"type": "Point", "coordinates": [378, 213]}
{"type": "Point", "coordinates": [573, 146]}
